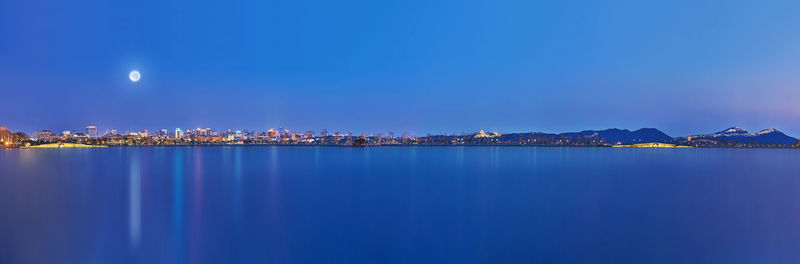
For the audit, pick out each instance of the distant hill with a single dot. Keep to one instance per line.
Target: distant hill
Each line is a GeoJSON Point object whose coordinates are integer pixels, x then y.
{"type": "Point", "coordinates": [624, 136]}
{"type": "Point", "coordinates": [731, 137]}
{"type": "Point", "coordinates": [740, 135]}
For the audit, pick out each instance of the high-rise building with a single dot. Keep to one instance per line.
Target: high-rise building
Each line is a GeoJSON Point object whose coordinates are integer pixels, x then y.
{"type": "Point", "coordinates": [42, 135]}
{"type": "Point", "coordinates": [91, 131]}
{"type": "Point", "coordinates": [272, 133]}
{"type": "Point", "coordinates": [178, 133]}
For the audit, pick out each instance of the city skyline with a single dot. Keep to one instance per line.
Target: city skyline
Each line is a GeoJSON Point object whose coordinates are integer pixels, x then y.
{"type": "Point", "coordinates": [730, 137]}
{"type": "Point", "coordinates": [417, 66]}
{"type": "Point", "coordinates": [91, 129]}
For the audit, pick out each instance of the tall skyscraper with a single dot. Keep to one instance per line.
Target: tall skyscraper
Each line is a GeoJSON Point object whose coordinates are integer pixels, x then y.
{"type": "Point", "coordinates": [178, 133]}
{"type": "Point", "coordinates": [91, 131]}
{"type": "Point", "coordinates": [203, 131]}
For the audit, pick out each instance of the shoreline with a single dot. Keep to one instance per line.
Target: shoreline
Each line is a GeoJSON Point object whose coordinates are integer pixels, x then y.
{"type": "Point", "coordinates": [63, 145]}
{"type": "Point", "coordinates": [373, 146]}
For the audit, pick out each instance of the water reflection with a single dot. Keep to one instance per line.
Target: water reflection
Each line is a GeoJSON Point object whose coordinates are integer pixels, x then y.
{"type": "Point", "coordinates": [355, 205]}
{"type": "Point", "coordinates": [316, 159]}
{"type": "Point", "coordinates": [177, 206]}
{"type": "Point", "coordinates": [237, 183]}
{"type": "Point", "coordinates": [197, 201]}
{"type": "Point", "coordinates": [198, 182]}
{"type": "Point", "coordinates": [274, 176]}
{"type": "Point", "coordinates": [135, 201]}
{"type": "Point", "coordinates": [365, 163]}
{"type": "Point", "coordinates": [273, 163]}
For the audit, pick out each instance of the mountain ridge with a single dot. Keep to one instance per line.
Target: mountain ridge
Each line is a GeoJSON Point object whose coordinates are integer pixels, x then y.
{"type": "Point", "coordinates": [740, 135]}
{"type": "Point", "coordinates": [727, 137]}
{"type": "Point", "coordinates": [624, 136]}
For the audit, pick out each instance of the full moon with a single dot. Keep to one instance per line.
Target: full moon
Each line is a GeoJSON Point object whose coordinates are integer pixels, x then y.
{"type": "Point", "coordinates": [135, 76]}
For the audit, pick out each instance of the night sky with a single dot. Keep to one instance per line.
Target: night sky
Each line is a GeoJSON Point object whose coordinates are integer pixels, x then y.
{"type": "Point", "coordinates": [423, 66]}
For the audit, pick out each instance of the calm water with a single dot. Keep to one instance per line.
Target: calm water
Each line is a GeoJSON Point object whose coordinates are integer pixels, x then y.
{"type": "Point", "coordinates": [399, 205]}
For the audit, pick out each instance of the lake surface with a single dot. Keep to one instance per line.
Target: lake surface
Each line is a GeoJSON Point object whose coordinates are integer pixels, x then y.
{"type": "Point", "coordinates": [399, 205]}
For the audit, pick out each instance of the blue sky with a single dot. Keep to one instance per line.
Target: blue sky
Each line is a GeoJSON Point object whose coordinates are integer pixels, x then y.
{"type": "Point", "coordinates": [419, 66]}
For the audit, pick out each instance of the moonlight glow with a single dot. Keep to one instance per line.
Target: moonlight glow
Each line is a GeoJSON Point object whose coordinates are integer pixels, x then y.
{"type": "Point", "coordinates": [135, 76]}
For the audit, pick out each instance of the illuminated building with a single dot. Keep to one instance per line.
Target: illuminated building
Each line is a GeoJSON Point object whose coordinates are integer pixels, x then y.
{"type": "Point", "coordinates": [91, 131]}
{"type": "Point", "coordinates": [5, 135]}
{"type": "Point", "coordinates": [272, 133]}
{"type": "Point", "coordinates": [42, 135]}
{"type": "Point", "coordinates": [482, 134]}
{"type": "Point", "coordinates": [178, 133]}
